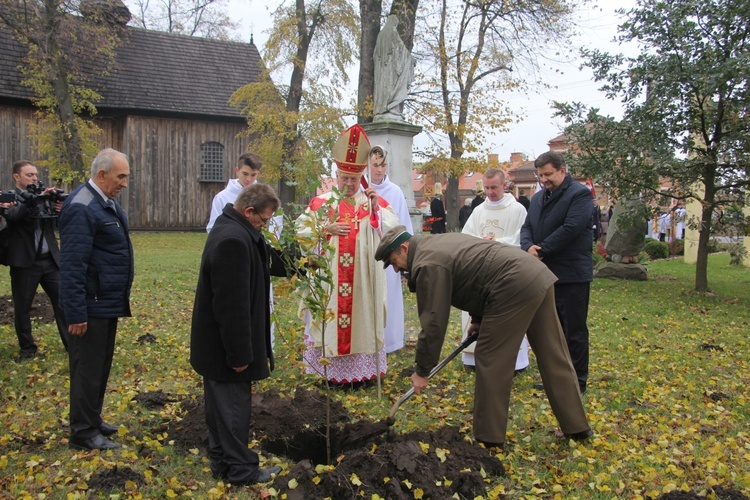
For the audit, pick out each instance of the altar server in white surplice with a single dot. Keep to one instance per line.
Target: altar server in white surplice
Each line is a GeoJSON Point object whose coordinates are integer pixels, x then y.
{"type": "Point", "coordinates": [390, 192]}
{"type": "Point", "coordinates": [499, 218]}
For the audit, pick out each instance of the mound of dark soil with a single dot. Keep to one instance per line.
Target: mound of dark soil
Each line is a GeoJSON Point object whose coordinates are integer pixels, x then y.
{"type": "Point", "coordinates": [287, 423]}
{"type": "Point", "coordinates": [369, 459]}
{"type": "Point", "coordinates": [155, 400]}
{"type": "Point", "coordinates": [440, 463]}
{"type": "Point", "coordinates": [114, 479]}
{"type": "Point", "coordinates": [190, 431]}
{"type": "Point", "coordinates": [41, 309]}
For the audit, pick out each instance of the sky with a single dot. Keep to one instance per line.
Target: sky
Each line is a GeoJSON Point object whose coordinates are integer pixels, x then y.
{"type": "Point", "coordinates": [597, 25]}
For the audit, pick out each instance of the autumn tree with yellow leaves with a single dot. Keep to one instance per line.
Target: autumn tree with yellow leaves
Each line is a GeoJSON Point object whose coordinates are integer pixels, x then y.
{"type": "Point", "coordinates": [469, 54]}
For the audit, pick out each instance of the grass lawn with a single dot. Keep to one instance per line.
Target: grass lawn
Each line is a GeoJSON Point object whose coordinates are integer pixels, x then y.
{"type": "Point", "coordinates": [668, 395]}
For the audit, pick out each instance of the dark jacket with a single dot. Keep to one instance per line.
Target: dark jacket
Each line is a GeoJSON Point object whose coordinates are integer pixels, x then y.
{"type": "Point", "coordinates": [96, 258]}
{"type": "Point", "coordinates": [20, 244]}
{"type": "Point", "coordinates": [463, 215]}
{"type": "Point", "coordinates": [478, 200]}
{"type": "Point", "coordinates": [562, 227]}
{"type": "Point", "coordinates": [231, 324]}
{"type": "Point", "coordinates": [437, 211]}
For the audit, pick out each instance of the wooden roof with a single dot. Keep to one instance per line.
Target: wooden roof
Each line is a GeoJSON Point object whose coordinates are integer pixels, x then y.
{"type": "Point", "coordinates": [156, 73]}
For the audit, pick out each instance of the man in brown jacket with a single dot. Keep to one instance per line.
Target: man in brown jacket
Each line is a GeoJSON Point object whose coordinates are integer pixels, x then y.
{"type": "Point", "coordinates": [506, 291]}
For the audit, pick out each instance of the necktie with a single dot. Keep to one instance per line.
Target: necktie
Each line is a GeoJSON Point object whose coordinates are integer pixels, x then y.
{"type": "Point", "coordinates": [111, 204]}
{"type": "Point", "coordinates": [547, 194]}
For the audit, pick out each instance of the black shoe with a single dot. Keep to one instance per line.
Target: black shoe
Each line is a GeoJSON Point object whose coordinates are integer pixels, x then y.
{"type": "Point", "coordinates": [577, 436]}
{"type": "Point", "coordinates": [27, 355]}
{"type": "Point", "coordinates": [108, 429]}
{"type": "Point", "coordinates": [97, 442]}
{"type": "Point", "coordinates": [582, 389]}
{"type": "Point", "coordinates": [470, 368]}
{"type": "Point", "coordinates": [260, 476]}
{"type": "Point", "coordinates": [519, 371]}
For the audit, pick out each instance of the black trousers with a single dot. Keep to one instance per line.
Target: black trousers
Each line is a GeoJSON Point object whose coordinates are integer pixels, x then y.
{"type": "Point", "coordinates": [228, 407]}
{"type": "Point", "coordinates": [90, 362]}
{"type": "Point", "coordinates": [24, 282]}
{"type": "Point", "coordinates": [572, 303]}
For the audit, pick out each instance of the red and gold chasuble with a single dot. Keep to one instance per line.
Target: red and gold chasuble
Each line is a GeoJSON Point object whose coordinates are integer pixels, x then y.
{"type": "Point", "coordinates": [356, 217]}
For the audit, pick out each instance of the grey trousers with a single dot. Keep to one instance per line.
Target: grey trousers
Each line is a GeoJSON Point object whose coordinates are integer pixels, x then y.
{"type": "Point", "coordinates": [496, 349]}
{"type": "Point", "coordinates": [228, 407]}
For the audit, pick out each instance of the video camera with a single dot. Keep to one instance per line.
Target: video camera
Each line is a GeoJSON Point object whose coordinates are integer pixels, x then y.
{"type": "Point", "coordinates": [40, 204]}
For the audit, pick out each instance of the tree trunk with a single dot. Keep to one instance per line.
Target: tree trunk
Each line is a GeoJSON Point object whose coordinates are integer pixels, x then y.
{"type": "Point", "coordinates": [701, 263]}
{"type": "Point", "coordinates": [369, 11]}
{"type": "Point", "coordinates": [451, 203]}
{"type": "Point", "coordinates": [287, 192]}
{"type": "Point", "coordinates": [69, 134]}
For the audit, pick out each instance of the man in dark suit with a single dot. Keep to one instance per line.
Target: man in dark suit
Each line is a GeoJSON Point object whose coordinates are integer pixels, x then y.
{"type": "Point", "coordinates": [230, 339]}
{"type": "Point", "coordinates": [558, 232]}
{"type": "Point", "coordinates": [33, 256]}
{"type": "Point", "coordinates": [96, 272]}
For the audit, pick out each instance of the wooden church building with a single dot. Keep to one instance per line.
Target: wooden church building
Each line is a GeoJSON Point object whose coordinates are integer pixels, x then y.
{"type": "Point", "coordinates": [164, 104]}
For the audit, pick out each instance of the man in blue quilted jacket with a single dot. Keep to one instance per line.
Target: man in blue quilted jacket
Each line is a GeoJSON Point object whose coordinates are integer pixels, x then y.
{"type": "Point", "coordinates": [96, 272]}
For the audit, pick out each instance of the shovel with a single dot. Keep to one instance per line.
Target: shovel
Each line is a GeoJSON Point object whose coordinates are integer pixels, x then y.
{"type": "Point", "coordinates": [354, 435]}
{"type": "Point", "coordinates": [466, 343]}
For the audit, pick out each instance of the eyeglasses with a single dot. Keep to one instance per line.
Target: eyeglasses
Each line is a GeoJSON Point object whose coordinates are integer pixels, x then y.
{"type": "Point", "coordinates": [263, 220]}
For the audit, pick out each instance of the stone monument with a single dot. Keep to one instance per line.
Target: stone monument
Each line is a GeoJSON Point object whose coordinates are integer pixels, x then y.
{"type": "Point", "coordinates": [394, 72]}
{"type": "Point", "coordinates": [626, 237]}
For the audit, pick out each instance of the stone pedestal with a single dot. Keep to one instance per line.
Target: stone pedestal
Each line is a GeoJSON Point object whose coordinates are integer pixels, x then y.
{"type": "Point", "coordinates": [636, 272]}
{"type": "Point", "coordinates": [397, 138]}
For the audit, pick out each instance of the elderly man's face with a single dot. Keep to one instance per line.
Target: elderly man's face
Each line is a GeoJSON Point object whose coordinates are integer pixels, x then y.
{"type": "Point", "coordinates": [397, 259]}
{"type": "Point", "coordinates": [348, 183]}
{"type": "Point", "coordinates": [114, 181]}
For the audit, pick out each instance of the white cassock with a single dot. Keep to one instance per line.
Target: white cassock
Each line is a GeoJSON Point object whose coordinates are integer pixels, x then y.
{"type": "Point", "coordinates": [500, 221]}
{"type": "Point", "coordinates": [394, 321]}
{"type": "Point", "coordinates": [353, 336]}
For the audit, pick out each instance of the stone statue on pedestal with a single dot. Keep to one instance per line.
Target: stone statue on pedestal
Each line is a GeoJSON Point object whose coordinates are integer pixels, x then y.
{"type": "Point", "coordinates": [394, 72]}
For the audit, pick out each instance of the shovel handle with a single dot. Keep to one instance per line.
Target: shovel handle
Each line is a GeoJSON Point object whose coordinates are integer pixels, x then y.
{"type": "Point", "coordinates": [466, 343]}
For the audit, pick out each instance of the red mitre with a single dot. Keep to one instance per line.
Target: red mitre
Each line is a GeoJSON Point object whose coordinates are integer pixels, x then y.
{"type": "Point", "coordinates": [351, 150]}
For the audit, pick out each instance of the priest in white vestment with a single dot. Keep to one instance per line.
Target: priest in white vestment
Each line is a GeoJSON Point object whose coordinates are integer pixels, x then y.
{"type": "Point", "coordinates": [354, 220]}
{"type": "Point", "coordinates": [498, 218]}
{"type": "Point", "coordinates": [378, 178]}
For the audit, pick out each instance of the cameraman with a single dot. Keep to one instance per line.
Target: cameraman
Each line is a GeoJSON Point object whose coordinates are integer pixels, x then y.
{"type": "Point", "coordinates": [33, 257]}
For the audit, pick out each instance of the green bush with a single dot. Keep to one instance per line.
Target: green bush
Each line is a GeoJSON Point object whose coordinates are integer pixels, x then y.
{"type": "Point", "coordinates": [656, 249]}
